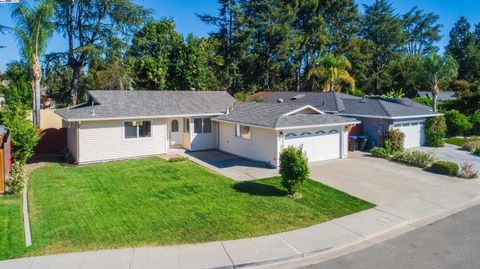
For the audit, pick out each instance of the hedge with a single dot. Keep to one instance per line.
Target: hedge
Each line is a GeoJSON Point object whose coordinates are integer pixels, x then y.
{"type": "Point", "coordinates": [445, 168]}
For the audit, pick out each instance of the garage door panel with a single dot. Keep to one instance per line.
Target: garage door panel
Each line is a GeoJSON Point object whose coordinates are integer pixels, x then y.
{"type": "Point", "coordinates": [414, 133]}
{"type": "Point", "coordinates": [319, 145]}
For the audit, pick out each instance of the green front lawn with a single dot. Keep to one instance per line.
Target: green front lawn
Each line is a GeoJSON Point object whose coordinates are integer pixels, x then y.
{"type": "Point", "coordinates": [457, 141]}
{"type": "Point", "coordinates": [11, 226]}
{"type": "Point", "coordinates": [460, 141]}
{"type": "Point", "coordinates": [154, 202]}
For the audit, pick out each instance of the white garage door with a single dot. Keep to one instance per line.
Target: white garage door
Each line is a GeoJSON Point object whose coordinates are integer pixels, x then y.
{"type": "Point", "coordinates": [414, 133]}
{"type": "Point", "coordinates": [319, 145]}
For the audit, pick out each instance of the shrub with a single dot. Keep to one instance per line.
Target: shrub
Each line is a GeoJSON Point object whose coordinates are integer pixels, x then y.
{"type": "Point", "coordinates": [380, 152]}
{"type": "Point", "coordinates": [457, 123]}
{"type": "Point", "coordinates": [293, 168]}
{"type": "Point", "coordinates": [24, 135]}
{"type": "Point", "coordinates": [423, 100]}
{"type": "Point", "coordinates": [477, 152]}
{"type": "Point", "coordinates": [436, 128]}
{"type": "Point", "coordinates": [415, 158]}
{"type": "Point", "coordinates": [472, 146]}
{"type": "Point", "coordinates": [394, 140]}
{"type": "Point", "coordinates": [178, 159]}
{"type": "Point", "coordinates": [446, 168]}
{"type": "Point", "coordinates": [467, 171]}
{"type": "Point", "coordinates": [475, 119]}
{"type": "Point", "coordinates": [240, 96]}
{"type": "Point", "coordinates": [16, 182]}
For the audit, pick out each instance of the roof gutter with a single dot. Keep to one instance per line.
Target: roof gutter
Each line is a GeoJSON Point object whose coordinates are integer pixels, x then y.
{"type": "Point", "coordinates": [141, 117]}
{"type": "Point", "coordinates": [291, 127]}
{"type": "Point", "coordinates": [390, 118]}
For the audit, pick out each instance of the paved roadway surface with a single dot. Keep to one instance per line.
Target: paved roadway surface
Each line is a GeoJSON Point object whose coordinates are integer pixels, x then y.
{"type": "Point", "coordinates": [453, 242]}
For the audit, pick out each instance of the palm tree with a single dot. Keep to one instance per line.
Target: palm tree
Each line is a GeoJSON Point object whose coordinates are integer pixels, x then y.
{"type": "Point", "coordinates": [438, 70]}
{"type": "Point", "coordinates": [332, 69]}
{"type": "Point", "coordinates": [3, 30]}
{"type": "Point", "coordinates": [34, 28]}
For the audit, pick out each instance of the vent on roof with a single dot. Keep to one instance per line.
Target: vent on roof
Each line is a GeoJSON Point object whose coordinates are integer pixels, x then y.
{"type": "Point", "coordinates": [363, 100]}
{"type": "Point", "coordinates": [280, 101]}
{"type": "Point", "coordinates": [299, 96]}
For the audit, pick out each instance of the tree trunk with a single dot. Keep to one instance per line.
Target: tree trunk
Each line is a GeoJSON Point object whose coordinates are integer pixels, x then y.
{"type": "Point", "coordinates": [34, 103]}
{"type": "Point", "coordinates": [75, 83]}
{"type": "Point", "coordinates": [434, 98]}
{"type": "Point", "coordinates": [37, 76]}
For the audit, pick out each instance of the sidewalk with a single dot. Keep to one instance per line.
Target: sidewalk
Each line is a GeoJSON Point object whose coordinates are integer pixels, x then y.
{"type": "Point", "coordinates": [322, 238]}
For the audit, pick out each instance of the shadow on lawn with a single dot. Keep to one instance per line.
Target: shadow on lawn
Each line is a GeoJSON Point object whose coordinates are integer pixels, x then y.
{"type": "Point", "coordinates": [255, 188]}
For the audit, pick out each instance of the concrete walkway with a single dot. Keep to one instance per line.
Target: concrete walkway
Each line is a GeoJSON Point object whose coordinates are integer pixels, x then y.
{"type": "Point", "coordinates": [229, 165]}
{"type": "Point", "coordinates": [454, 154]}
{"type": "Point", "coordinates": [406, 198]}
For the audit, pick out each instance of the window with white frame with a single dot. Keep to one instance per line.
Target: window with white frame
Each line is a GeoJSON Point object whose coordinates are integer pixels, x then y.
{"type": "Point", "coordinates": [243, 131]}
{"type": "Point", "coordinates": [137, 129]}
{"type": "Point", "coordinates": [202, 125]}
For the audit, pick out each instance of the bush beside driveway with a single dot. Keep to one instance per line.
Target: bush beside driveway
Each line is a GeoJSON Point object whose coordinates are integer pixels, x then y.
{"type": "Point", "coordinates": [154, 202]}
{"type": "Point", "coordinates": [454, 154]}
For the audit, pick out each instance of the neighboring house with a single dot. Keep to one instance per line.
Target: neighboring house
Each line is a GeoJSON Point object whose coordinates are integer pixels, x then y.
{"type": "Point", "coordinates": [442, 96]}
{"type": "Point", "coordinates": [376, 114]}
{"type": "Point", "coordinates": [115, 125]}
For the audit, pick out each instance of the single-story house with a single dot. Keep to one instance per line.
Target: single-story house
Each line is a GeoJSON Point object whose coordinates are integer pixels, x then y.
{"type": "Point", "coordinates": [376, 114]}
{"type": "Point", "coordinates": [442, 96]}
{"type": "Point", "coordinates": [115, 125]}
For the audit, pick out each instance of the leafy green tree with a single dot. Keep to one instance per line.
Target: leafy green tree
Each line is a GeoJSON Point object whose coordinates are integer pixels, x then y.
{"type": "Point", "coordinates": [33, 29]}
{"type": "Point", "coordinates": [437, 70]}
{"type": "Point", "coordinates": [422, 32]}
{"type": "Point", "coordinates": [465, 50]}
{"type": "Point", "coordinates": [196, 67]}
{"type": "Point", "coordinates": [457, 123]}
{"type": "Point", "coordinates": [19, 89]}
{"type": "Point", "coordinates": [89, 25]}
{"type": "Point", "coordinates": [57, 75]}
{"type": "Point", "coordinates": [271, 37]}
{"type": "Point", "coordinates": [294, 169]}
{"type": "Point", "coordinates": [156, 56]}
{"type": "Point", "coordinates": [383, 28]}
{"type": "Point", "coordinates": [333, 70]}
{"type": "Point", "coordinates": [229, 42]}
{"type": "Point", "coordinates": [475, 120]}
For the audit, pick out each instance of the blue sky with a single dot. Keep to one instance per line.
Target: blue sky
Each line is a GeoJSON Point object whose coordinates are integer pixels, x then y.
{"type": "Point", "coordinates": [183, 12]}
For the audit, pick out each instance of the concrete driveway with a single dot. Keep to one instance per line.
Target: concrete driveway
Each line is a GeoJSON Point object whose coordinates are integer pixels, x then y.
{"type": "Point", "coordinates": [454, 154]}
{"type": "Point", "coordinates": [405, 191]}
{"type": "Point", "coordinates": [233, 166]}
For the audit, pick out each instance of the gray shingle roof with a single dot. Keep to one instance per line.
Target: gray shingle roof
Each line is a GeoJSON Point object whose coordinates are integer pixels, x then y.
{"type": "Point", "coordinates": [325, 101]}
{"type": "Point", "coordinates": [352, 105]}
{"type": "Point", "coordinates": [442, 96]}
{"type": "Point", "coordinates": [136, 104]}
{"type": "Point", "coordinates": [386, 107]}
{"type": "Point", "coordinates": [271, 115]}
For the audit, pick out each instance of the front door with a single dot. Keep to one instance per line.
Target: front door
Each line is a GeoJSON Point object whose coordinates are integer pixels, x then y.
{"type": "Point", "coordinates": [175, 133]}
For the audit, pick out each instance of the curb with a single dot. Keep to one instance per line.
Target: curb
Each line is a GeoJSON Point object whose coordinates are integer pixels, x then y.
{"type": "Point", "coordinates": [26, 218]}
{"type": "Point", "coordinates": [342, 249]}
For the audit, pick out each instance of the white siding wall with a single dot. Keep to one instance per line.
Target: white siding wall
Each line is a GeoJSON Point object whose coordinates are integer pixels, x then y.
{"type": "Point", "coordinates": [262, 146]}
{"type": "Point", "coordinates": [203, 141]}
{"type": "Point", "coordinates": [103, 141]}
{"type": "Point", "coordinates": [72, 133]}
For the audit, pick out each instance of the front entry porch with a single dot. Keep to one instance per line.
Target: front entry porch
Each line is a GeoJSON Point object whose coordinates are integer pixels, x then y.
{"type": "Point", "coordinates": [191, 133]}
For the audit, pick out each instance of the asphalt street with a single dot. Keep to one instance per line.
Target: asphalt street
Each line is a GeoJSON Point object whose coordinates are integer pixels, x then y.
{"type": "Point", "coordinates": [453, 242]}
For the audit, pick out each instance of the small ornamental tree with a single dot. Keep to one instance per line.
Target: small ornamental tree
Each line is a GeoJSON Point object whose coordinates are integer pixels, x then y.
{"type": "Point", "coordinates": [394, 139]}
{"type": "Point", "coordinates": [435, 131]}
{"type": "Point", "coordinates": [293, 169]}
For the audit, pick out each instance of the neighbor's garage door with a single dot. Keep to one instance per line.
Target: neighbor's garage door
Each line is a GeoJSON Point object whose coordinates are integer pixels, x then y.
{"type": "Point", "coordinates": [414, 133]}
{"type": "Point", "coordinates": [319, 145]}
